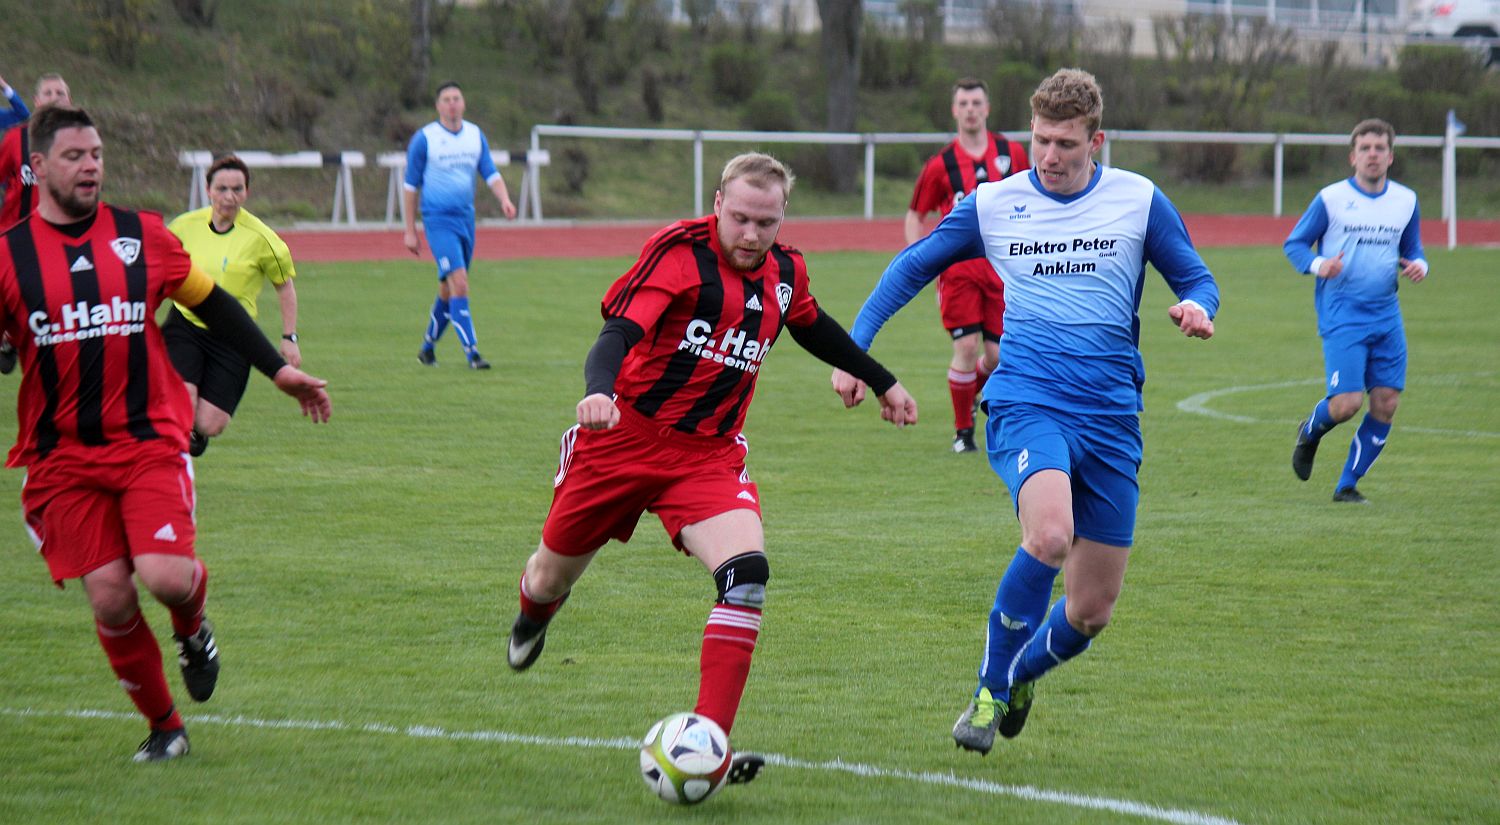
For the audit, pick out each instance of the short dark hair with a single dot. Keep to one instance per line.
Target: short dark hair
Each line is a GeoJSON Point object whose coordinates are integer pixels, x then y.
{"type": "Point", "coordinates": [49, 120]}
{"type": "Point", "coordinates": [970, 83]}
{"type": "Point", "coordinates": [450, 84]}
{"type": "Point", "coordinates": [228, 162]}
{"type": "Point", "coordinates": [1373, 126]}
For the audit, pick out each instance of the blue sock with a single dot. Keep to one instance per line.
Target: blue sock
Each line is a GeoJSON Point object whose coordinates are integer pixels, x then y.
{"type": "Point", "coordinates": [1020, 605]}
{"type": "Point", "coordinates": [1368, 441]}
{"type": "Point", "coordinates": [463, 325]}
{"type": "Point", "coordinates": [437, 321]}
{"type": "Point", "coordinates": [1056, 642]}
{"type": "Point", "coordinates": [1320, 421]}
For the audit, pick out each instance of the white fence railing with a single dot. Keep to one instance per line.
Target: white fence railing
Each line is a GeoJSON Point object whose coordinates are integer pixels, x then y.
{"type": "Point", "coordinates": [198, 161]}
{"type": "Point", "coordinates": [1449, 143]}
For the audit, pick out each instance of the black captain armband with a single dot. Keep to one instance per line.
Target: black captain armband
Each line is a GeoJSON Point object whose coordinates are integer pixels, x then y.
{"type": "Point", "coordinates": [831, 344]}
{"type": "Point", "coordinates": [230, 323]}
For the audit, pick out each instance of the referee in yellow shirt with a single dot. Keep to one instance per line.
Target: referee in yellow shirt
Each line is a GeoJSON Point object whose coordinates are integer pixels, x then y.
{"type": "Point", "coordinates": [243, 255]}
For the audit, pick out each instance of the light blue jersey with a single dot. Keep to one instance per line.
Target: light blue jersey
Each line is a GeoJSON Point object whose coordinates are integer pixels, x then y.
{"type": "Point", "coordinates": [442, 164]}
{"type": "Point", "coordinates": [1074, 267]}
{"type": "Point", "coordinates": [1374, 232]}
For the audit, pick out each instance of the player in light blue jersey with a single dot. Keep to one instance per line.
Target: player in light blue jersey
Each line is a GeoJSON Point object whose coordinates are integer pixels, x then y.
{"type": "Point", "coordinates": [1366, 230]}
{"type": "Point", "coordinates": [441, 162]}
{"type": "Point", "coordinates": [1071, 241]}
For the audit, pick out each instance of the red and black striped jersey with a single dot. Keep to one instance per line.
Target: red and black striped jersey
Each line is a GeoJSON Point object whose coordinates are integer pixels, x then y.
{"type": "Point", "coordinates": [16, 177]}
{"type": "Point", "coordinates": [953, 173]}
{"type": "Point", "coordinates": [82, 315]}
{"type": "Point", "coordinates": [708, 326]}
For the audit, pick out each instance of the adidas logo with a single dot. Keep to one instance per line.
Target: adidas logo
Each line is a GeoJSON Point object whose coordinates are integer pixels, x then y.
{"type": "Point", "coordinates": [81, 265]}
{"type": "Point", "coordinates": [745, 494]}
{"type": "Point", "coordinates": [166, 533]}
{"type": "Point", "coordinates": [754, 303]}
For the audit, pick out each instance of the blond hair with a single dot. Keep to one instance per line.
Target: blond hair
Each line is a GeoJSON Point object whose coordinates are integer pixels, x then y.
{"type": "Point", "coordinates": [1069, 94]}
{"type": "Point", "coordinates": [759, 170]}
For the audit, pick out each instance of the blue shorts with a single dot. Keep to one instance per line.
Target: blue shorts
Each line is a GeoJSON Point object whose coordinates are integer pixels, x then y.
{"type": "Point", "coordinates": [1357, 359]}
{"type": "Point", "coordinates": [1100, 453]}
{"type": "Point", "coordinates": [451, 241]}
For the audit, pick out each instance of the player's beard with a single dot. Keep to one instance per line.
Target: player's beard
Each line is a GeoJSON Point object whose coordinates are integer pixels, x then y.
{"type": "Point", "coordinates": [72, 204]}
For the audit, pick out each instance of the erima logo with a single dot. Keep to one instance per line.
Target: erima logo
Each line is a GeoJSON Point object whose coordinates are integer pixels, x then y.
{"type": "Point", "coordinates": [82, 264]}
{"type": "Point", "coordinates": [1020, 207]}
{"type": "Point", "coordinates": [754, 303]}
{"type": "Point", "coordinates": [745, 494]}
{"type": "Point", "coordinates": [1023, 461]}
{"type": "Point", "coordinates": [784, 296]}
{"type": "Point", "coordinates": [1377, 441]}
{"type": "Point", "coordinates": [166, 533]}
{"type": "Point", "coordinates": [126, 249]}
{"type": "Point", "coordinates": [1012, 624]}
{"type": "Point", "coordinates": [1018, 213]}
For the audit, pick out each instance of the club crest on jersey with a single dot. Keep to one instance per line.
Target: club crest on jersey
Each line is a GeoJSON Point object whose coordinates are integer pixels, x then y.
{"type": "Point", "coordinates": [28, 177]}
{"type": "Point", "coordinates": [784, 296]}
{"type": "Point", "coordinates": [126, 249]}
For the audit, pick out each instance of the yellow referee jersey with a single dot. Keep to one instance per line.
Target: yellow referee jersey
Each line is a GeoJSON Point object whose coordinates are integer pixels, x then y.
{"type": "Point", "coordinates": [242, 260]}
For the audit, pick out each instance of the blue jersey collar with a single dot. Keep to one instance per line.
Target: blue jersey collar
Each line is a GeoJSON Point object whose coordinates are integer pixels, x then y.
{"type": "Point", "coordinates": [1036, 182]}
{"type": "Point", "coordinates": [1354, 184]}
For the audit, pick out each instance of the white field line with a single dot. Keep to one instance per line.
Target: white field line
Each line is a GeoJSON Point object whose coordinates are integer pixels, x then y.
{"type": "Point", "coordinates": [1198, 404]}
{"type": "Point", "coordinates": [1024, 792]}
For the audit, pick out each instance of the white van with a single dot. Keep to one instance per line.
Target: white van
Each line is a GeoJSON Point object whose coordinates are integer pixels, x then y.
{"type": "Point", "coordinates": [1477, 22]}
{"type": "Point", "coordinates": [1454, 18]}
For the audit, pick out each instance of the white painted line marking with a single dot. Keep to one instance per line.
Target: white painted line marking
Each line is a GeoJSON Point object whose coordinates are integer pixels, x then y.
{"type": "Point", "coordinates": [1198, 405]}
{"type": "Point", "coordinates": [1025, 792]}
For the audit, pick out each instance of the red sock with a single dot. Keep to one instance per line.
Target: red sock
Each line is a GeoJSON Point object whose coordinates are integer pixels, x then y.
{"type": "Point", "coordinates": [187, 617]}
{"type": "Point", "coordinates": [963, 386]}
{"type": "Point", "coordinates": [136, 660]}
{"type": "Point", "coordinates": [724, 665]}
{"type": "Point", "coordinates": [539, 612]}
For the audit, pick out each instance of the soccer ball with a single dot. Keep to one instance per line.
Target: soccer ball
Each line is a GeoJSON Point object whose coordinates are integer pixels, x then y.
{"type": "Point", "coordinates": [685, 758]}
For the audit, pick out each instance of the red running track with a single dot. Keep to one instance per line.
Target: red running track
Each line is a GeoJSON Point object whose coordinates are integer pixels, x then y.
{"type": "Point", "coordinates": [593, 240]}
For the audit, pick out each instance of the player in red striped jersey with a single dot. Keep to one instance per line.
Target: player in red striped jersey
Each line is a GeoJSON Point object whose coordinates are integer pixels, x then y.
{"type": "Point", "coordinates": [18, 181]}
{"type": "Point", "coordinates": [971, 298]}
{"type": "Point", "coordinates": [669, 380]}
{"type": "Point", "coordinates": [103, 416]}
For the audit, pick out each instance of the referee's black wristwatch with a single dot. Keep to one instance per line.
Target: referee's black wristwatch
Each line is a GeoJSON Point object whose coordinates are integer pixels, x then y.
{"type": "Point", "coordinates": [290, 336]}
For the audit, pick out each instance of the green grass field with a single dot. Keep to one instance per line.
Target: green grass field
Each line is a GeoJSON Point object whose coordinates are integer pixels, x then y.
{"type": "Point", "coordinates": [1275, 658]}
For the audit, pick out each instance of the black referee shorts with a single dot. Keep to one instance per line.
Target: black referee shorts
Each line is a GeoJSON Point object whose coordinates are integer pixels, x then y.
{"type": "Point", "coordinates": [219, 372]}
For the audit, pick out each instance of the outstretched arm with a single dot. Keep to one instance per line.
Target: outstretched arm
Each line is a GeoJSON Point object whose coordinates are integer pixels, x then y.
{"type": "Point", "coordinates": [229, 322]}
{"type": "Point", "coordinates": [828, 341]}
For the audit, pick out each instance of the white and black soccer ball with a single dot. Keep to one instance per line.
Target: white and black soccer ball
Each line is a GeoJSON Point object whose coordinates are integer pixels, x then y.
{"type": "Point", "coordinates": [685, 758]}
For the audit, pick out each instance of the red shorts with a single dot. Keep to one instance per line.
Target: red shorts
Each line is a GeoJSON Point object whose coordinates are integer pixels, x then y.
{"type": "Point", "coordinates": [607, 478]}
{"type": "Point", "coordinates": [87, 506]}
{"type": "Point", "coordinates": [971, 298]}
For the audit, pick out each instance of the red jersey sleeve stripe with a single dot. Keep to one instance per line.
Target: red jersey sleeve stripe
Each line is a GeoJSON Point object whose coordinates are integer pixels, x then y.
{"type": "Point", "coordinates": [680, 367]}
{"type": "Point", "coordinates": [650, 259]}
{"type": "Point", "coordinates": [138, 370]}
{"type": "Point", "coordinates": [88, 401]}
{"type": "Point", "coordinates": [27, 265]}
